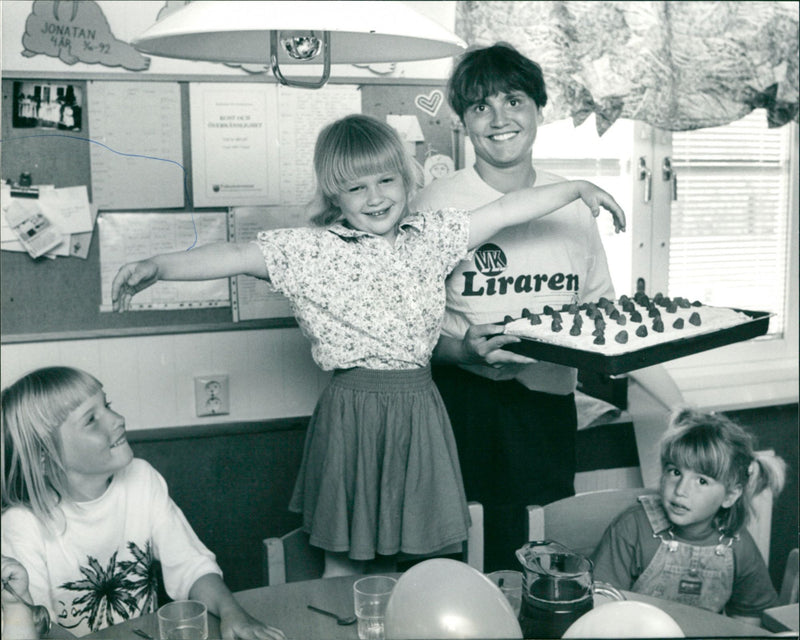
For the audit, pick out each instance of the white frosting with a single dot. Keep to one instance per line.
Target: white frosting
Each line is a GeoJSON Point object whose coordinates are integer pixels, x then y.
{"type": "Point", "coordinates": [711, 319]}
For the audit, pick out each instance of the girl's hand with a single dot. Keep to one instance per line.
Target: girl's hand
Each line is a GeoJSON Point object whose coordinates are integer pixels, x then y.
{"type": "Point", "coordinates": [130, 279]}
{"type": "Point", "coordinates": [17, 617]}
{"type": "Point", "coordinates": [15, 575]}
{"type": "Point", "coordinates": [595, 197]}
{"type": "Point", "coordinates": [240, 625]}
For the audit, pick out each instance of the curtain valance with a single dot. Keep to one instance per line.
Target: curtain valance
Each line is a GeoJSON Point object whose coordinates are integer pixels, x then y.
{"type": "Point", "coordinates": [677, 65]}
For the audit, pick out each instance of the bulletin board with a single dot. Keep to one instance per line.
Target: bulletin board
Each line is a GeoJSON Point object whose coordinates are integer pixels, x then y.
{"type": "Point", "coordinates": [60, 299]}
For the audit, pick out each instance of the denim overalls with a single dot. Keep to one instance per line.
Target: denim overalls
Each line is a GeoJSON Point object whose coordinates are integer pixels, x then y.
{"type": "Point", "coordinates": [700, 576]}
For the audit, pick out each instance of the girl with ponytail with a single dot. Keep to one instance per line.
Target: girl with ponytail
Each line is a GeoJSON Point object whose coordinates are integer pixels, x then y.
{"type": "Point", "coordinates": [689, 542]}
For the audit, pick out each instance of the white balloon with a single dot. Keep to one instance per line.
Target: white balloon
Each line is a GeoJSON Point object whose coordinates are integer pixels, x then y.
{"type": "Point", "coordinates": [443, 598]}
{"type": "Point", "coordinates": [628, 619]}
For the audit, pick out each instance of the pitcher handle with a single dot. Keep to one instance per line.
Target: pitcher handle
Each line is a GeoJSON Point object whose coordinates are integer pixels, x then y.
{"type": "Point", "coordinates": [605, 589]}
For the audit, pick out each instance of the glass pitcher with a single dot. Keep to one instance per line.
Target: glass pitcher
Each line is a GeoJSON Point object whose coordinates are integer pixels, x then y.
{"type": "Point", "coordinates": [557, 589]}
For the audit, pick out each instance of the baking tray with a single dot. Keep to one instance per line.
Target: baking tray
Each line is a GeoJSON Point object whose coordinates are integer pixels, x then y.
{"type": "Point", "coordinates": [646, 356]}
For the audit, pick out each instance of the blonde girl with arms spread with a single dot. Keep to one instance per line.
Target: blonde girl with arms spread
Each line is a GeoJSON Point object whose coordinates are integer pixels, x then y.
{"type": "Point", "coordinates": [380, 472]}
{"type": "Point", "coordinates": [87, 520]}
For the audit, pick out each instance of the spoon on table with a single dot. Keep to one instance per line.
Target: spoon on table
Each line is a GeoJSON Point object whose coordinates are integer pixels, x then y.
{"type": "Point", "coordinates": [41, 616]}
{"type": "Point", "coordinates": [339, 619]}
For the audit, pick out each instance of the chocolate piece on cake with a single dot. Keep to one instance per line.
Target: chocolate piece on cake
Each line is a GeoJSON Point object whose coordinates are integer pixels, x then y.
{"type": "Point", "coordinates": [695, 319]}
{"type": "Point", "coordinates": [678, 324]}
{"type": "Point", "coordinates": [621, 337]}
{"type": "Point", "coordinates": [641, 331]}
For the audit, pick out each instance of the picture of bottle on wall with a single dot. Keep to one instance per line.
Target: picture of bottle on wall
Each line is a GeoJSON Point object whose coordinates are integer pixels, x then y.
{"type": "Point", "coordinates": [54, 105]}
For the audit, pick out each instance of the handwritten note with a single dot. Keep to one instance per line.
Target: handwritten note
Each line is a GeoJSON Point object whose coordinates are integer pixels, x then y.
{"type": "Point", "coordinates": [254, 298]}
{"type": "Point", "coordinates": [136, 148]}
{"type": "Point", "coordinates": [125, 237]}
{"type": "Point", "coordinates": [302, 114]}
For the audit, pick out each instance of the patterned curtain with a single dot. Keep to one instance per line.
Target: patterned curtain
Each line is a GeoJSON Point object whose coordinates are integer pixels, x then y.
{"type": "Point", "coordinates": [677, 65]}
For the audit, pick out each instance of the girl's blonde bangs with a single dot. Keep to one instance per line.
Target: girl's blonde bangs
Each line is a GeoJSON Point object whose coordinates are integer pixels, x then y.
{"type": "Point", "coordinates": [702, 450]}
{"type": "Point", "coordinates": [356, 157]}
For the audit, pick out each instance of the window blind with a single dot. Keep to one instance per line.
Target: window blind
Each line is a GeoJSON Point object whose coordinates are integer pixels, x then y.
{"type": "Point", "coordinates": [729, 225]}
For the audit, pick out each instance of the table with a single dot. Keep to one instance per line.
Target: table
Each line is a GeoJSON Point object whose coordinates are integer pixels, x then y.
{"type": "Point", "coordinates": [782, 618]}
{"type": "Point", "coordinates": [285, 606]}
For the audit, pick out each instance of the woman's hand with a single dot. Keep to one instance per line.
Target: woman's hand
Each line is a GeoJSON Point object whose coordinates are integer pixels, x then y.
{"type": "Point", "coordinates": [483, 344]}
{"type": "Point", "coordinates": [595, 197]}
{"type": "Point", "coordinates": [130, 279]}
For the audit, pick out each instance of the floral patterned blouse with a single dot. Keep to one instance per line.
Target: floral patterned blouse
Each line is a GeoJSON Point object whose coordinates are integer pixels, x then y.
{"type": "Point", "coordinates": [361, 301]}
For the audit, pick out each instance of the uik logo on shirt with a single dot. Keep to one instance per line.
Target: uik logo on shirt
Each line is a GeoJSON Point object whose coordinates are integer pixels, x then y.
{"type": "Point", "coordinates": [491, 261]}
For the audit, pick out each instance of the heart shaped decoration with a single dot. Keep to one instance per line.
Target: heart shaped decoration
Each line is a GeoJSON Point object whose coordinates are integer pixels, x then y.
{"type": "Point", "coordinates": [430, 104]}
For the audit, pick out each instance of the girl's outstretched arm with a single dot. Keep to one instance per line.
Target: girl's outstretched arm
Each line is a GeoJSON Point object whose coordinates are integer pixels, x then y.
{"type": "Point", "coordinates": [535, 202]}
{"type": "Point", "coordinates": [211, 261]}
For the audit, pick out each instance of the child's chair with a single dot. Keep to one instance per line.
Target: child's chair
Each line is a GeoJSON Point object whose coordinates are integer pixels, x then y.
{"type": "Point", "coordinates": [791, 582]}
{"type": "Point", "coordinates": [290, 558]}
{"type": "Point", "coordinates": [578, 522]}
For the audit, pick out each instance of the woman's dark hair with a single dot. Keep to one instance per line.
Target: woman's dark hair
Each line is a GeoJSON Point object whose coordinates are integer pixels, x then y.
{"type": "Point", "coordinates": [485, 72]}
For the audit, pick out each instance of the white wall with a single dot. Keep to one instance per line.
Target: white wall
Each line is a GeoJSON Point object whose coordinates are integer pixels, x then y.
{"type": "Point", "coordinates": [150, 380]}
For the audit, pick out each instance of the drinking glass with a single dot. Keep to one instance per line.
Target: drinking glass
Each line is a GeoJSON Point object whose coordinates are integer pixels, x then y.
{"type": "Point", "coordinates": [371, 595]}
{"type": "Point", "coordinates": [510, 583]}
{"type": "Point", "coordinates": [183, 620]}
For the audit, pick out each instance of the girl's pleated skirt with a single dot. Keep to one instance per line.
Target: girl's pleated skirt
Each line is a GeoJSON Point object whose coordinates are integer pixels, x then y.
{"type": "Point", "coordinates": [380, 471]}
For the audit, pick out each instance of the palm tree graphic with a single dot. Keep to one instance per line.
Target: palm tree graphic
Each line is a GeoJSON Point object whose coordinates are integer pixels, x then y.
{"type": "Point", "coordinates": [114, 590]}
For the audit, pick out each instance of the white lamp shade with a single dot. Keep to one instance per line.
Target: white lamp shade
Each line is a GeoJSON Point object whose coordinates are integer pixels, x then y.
{"type": "Point", "coordinates": [239, 32]}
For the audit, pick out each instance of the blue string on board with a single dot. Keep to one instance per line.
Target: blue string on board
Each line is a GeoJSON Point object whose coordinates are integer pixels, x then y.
{"type": "Point", "coordinates": [128, 155]}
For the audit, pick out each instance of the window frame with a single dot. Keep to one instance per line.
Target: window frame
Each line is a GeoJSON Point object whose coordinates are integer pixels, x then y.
{"type": "Point", "coordinates": [758, 372]}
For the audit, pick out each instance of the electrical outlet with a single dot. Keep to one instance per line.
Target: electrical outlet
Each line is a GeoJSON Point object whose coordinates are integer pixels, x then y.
{"type": "Point", "coordinates": [211, 395]}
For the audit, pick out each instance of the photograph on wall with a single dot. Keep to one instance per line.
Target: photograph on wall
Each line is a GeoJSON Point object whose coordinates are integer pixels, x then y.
{"type": "Point", "coordinates": [52, 105]}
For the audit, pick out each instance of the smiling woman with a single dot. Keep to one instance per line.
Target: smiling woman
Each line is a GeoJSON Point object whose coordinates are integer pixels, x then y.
{"type": "Point", "coordinates": [88, 521]}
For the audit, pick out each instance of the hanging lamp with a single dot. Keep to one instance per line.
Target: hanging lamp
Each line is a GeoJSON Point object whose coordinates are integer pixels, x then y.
{"type": "Point", "coordinates": [298, 32]}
